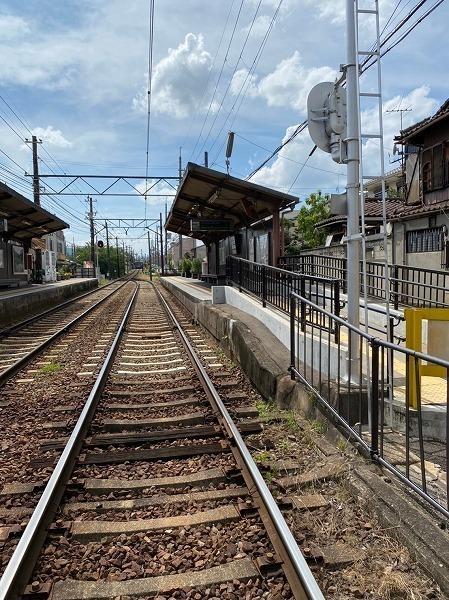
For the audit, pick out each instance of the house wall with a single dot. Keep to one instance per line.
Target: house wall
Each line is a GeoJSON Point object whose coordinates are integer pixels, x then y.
{"type": "Point", "coordinates": [9, 275]}
{"type": "Point", "coordinates": [426, 260]}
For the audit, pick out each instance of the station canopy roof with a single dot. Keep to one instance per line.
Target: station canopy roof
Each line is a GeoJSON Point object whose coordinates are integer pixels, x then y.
{"type": "Point", "coordinates": [213, 197]}
{"type": "Point", "coordinates": [25, 219]}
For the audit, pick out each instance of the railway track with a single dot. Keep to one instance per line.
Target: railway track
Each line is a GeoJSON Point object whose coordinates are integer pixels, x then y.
{"type": "Point", "coordinates": [154, 493]}
{"type": "Point", "coordinates": [21, 342]}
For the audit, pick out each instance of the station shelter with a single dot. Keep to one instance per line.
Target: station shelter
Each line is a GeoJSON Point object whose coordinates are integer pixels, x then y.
{"type": "Point", "coordinates": [231, 216]}
{"type": "Point", "coordinates": [22, 225]}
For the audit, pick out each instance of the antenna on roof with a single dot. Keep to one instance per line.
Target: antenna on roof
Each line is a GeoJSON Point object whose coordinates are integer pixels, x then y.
{"type": "Point", "coordinates": [229, 147]}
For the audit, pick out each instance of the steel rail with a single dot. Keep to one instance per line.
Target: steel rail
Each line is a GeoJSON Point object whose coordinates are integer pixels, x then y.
{"type": "Point", "coordinates": [22, 562]}
{"type": "Point", "coordinates": [298, 573]}
{"type": "Point", "coordinates": [12, 328]}
{"type": "Point", "coordinates": [13, 369]}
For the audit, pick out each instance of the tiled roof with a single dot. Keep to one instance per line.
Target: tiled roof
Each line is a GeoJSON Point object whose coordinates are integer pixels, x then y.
{"type": "Point", "coordinates": [373, 211]}
{"type": "Point", "coordinates": [422, 209]}
{"type": "Point", "coordinates": [441, 112]}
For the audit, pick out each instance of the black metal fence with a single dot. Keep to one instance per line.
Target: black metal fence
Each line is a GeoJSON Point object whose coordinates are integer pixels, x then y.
{"type": "Point", "coordinates": [351, 379]}
{"type": "Point", "coordinates": [274, 286]}
{"type": "Point", "coordinates": [409, 286]}
{"type": "Point", "coordinates": [85, 272]}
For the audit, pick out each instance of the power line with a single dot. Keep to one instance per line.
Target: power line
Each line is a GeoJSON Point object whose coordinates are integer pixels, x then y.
{"type": "Point", "coordinates": [149, 90]}
{"type": "Point", "coordinates": [246, 81]}
{"type": "Point", "coordinates": [364, 66]}
{"type": "Point", "coordinates": [287, 157]}
{"type": "Point", "coordinates": [248, 33]}
{"type": "Point", "coordinates": [200, 102]}
{"type": "Point", "coordinates": [219, 77]}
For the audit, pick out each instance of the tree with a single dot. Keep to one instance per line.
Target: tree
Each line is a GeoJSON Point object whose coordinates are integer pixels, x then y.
{"type": "Point", "coordinates": [315, 209]}
{"type": "Point", "coordinates": [82, 253]}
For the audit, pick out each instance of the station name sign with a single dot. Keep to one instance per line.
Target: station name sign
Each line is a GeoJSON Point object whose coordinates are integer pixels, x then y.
{"type": "Point", "coordinates": [210, 225]}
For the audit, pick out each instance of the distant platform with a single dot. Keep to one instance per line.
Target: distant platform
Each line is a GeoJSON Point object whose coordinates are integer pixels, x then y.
{"type": "Point", "coordinates": [198, 290]}
{"type": "Point", "coordinates": [20, 303]}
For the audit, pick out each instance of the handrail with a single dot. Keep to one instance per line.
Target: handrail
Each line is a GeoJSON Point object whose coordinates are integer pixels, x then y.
{"type": "Point", "coordinates": [371, 338]}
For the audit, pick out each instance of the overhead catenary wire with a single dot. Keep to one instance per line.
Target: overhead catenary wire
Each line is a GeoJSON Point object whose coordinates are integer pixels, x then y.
{"type": "Point", "coordinates": [240, 96]}
{"type": "Point", "coordinates": [366, 64]}
{"type": "Point", "coordinates": [228, 87]}
{"type": "Point", "coordinates": [149, 92]}
{"type": "Point", "coordinates": [219, 77]}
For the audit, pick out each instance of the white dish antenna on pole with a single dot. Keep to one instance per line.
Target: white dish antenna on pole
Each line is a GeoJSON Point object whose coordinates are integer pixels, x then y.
{"type": "Point", "coordinates": [327, 118]}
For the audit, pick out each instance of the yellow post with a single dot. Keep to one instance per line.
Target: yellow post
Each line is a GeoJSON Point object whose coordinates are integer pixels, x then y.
{"type": "Point", "coordinates": [413, 341]}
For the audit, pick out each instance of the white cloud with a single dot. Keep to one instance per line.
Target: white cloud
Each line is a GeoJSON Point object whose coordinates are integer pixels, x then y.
{"type": "Point", "coordinates": [259, 27]}
{"type": "Point", "coordinates": [162, 188]}
{"type": "Point", "coordinates": [12, 27]}
{"type": "Point", "coordinates": [288, 85]}
{"type": "Point", "coordinates": [52, 136]}
{"type": "Point", "coordinates": [283, 170]}
{"type": "Point", "coordinates": [179, 79]}
{"type": "Point", "coordinates": [335, 11]}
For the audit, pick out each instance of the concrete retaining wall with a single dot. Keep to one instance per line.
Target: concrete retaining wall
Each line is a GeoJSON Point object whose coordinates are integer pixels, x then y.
{"type": "Point", "coordinates": [15, 308]}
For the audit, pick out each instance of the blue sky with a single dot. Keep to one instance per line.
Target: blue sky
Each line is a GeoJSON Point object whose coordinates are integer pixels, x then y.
{"type": "Point", "coordinates": [75, 72]}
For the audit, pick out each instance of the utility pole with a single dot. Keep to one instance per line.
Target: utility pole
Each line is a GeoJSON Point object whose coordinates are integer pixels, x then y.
{"type": "Point", "coordinates": [165, 232]}
{"type": "Point", "coordinates": [206, 159]}
{"type": "Point", "coordinates": [117, 256]}
{"type": "Point", "coordinates": [162, 246]}
{"type": "Point", "coordinates": [108, 250]}
{"type": "Point", "coordinates": [353, 190]}
{"type": "Point", "coordinates": [124, 258]}
{"type": "Point", "coordinates": [37, 201]}
{"type": "Point", "coordinates": [180, 178]}
{"type": "Point", "coordinates": [150, 266]}
{"type": "Point", "coordinates": [92, 231]}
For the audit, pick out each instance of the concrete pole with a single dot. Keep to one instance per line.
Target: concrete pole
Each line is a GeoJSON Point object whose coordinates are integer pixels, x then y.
{"type": "Point", "coordinates": [352, 186]}
{"type": "Point", "coordinates": [162, 246]}
{"type": "Point", "coordinates": [180, 178]}
{"type": "Point", "coordinates": [92, 232]}
{"type": "Point", "coordinates": [37, 201]}
{"type": "Point", "coordinates": [275, 239]}
{"type": "Point", "coordinates": [150, 266]}
{"type": "Point", "coordinates": [108, 250]}
{"type": "Point", "coordinates": [117, 256]}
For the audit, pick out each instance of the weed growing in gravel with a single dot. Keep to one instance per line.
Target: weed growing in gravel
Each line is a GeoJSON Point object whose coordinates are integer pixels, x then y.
{"type": "Point", "coordinates": [267, 410]}
{"type": "Point", "coordinates": [262, 456]}
{"type": "Point", "coordinates": [50, 369]}
{"type": "Point", "coordinates": [342, 445]}
{"type": "Point", "coordinates": [318, 426]}
{"type": "Point", "coordinates": [291, 421]}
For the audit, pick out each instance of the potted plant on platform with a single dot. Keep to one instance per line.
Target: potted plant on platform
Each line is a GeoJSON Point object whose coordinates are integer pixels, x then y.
{"type": "Point", "coordinates": [196, 268]}
{"type": "Point", "coordinates": [186, 267]}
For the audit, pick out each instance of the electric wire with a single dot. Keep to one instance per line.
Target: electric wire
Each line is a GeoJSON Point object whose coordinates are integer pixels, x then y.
{"type": "Point", "coordinates": [228, 87]}
{"type": "Point", "coordinates": [149, 92]}
{"type": "Point", "coordinates": [219, 78]}
{"type": "Point", "coordinates": [246, 82]}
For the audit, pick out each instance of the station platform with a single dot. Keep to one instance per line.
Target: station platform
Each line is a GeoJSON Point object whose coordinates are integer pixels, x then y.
{"type": "Point", "coordinates": [20, 303]}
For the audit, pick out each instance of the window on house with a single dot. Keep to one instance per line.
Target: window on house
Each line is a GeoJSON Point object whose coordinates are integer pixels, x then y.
{"type": "Point", "coordinates": [425, 240]}
{"type": "Point", "coordinates": [427, 170]}
{"type": "Point", "coordinates": [437, 171]}
{"type": "Point", "coordinates": [446, 163]}
{"type": "Point", "coordinates": [18, 259]}
{"type": "Point", "coordinates": [2, 258]}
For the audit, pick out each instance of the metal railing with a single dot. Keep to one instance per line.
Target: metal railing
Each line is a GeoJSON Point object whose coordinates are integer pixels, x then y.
{"type": "Point", "coordinates": [274, 286]}
{"type": "Point", "coordinates": [85, 272]}
{"type": "Point", "coordinates": [409, 286]}
{"type": "Point", "coordinates": [362, 397]}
